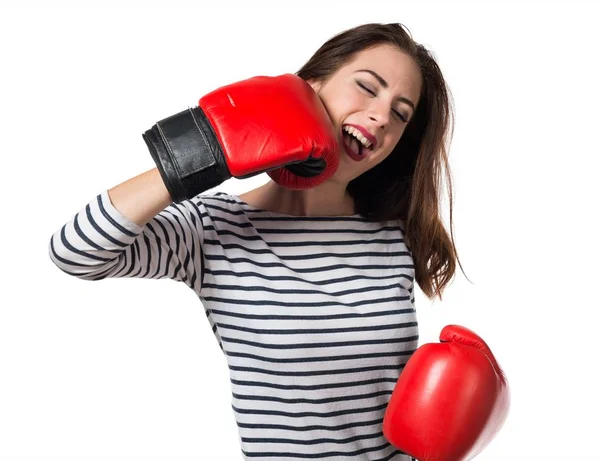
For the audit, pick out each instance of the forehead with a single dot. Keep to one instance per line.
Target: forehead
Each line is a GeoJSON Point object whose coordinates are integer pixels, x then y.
{"type": "Point", "coordinates": [396, 67]}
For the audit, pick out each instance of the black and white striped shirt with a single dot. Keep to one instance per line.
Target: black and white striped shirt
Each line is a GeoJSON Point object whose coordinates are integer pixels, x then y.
{"type": "Point", "coordinates": [315, 315]}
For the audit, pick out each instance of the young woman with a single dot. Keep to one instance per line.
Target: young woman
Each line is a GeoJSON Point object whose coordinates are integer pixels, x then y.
{"type": "Point", "coordinates": [307, 281]}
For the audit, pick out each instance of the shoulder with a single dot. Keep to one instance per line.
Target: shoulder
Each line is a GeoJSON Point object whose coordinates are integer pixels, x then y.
{"type": "Point", "coordinates": [220, 204]}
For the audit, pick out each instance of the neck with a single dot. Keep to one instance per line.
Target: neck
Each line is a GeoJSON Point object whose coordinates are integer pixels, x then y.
{"type": "Point", "coordinates": [327, 199]}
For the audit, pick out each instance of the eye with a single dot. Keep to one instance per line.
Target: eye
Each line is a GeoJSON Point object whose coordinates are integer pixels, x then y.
{"type": "Point", "coordinates": [400, 116]}
{"type": "Point", "coordinates": [365, 88]}
{"type": "Point", "coordinates": [372, 93]}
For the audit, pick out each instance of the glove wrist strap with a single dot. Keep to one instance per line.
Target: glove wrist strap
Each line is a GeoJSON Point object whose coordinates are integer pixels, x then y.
{"type": "Point", "coordinates": [187, 154]}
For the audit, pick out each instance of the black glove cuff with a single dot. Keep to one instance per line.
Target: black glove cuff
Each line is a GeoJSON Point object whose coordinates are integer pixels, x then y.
{"type": "Point", "coordinates": [187, 153]}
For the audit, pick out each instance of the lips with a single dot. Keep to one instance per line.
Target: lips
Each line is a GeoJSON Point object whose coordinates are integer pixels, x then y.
{"type": "Point", "coordinates": [372, 139]}
{"type": "Point", "coordinates": [365, 152]}
{"type": "Point", "coordinates": [352, 155]}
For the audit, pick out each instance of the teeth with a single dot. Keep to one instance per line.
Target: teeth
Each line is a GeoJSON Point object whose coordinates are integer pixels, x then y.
{"type": "Point", "coordinates": [358, 135]}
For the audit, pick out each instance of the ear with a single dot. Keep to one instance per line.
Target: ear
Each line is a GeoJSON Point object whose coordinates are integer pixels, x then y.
{"type": "Point", "coordinates": [315, 85]}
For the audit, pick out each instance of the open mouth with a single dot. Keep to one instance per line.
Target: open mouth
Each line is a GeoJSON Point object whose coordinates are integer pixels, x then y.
{"type": "Point", "coordinates": [355, 144]}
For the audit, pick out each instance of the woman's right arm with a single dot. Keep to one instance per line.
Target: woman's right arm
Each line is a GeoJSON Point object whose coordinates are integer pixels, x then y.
{"type": "Point", "coordinates": [133, 230]}
{"type": "Point", "coordinates": [124, 233]}
{"type": "Point", "coordinates": [141, 198]}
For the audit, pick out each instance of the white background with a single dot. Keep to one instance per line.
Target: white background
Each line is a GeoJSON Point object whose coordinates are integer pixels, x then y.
{"type": "Point", "coordinates": [128, 369]}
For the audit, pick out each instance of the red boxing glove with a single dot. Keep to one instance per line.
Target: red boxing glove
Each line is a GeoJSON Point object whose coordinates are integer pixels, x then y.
{"type": "Point", "coordinates": [274, 125]}
{"type": "Point", "coordinates": [450, 401]}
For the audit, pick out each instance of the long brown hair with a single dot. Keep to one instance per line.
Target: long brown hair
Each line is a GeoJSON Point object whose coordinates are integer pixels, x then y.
{"type": "Point", "coordinates": [412, 192]}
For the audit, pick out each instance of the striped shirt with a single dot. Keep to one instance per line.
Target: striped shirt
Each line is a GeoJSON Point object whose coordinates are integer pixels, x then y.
{"type": "Point", "coordinates": [315, 315]}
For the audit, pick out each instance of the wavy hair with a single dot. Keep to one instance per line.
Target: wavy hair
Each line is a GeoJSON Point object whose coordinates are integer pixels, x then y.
{"type": "Point", "coordinates": [407, 184]}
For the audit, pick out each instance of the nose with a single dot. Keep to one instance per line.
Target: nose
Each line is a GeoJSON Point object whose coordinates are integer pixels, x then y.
{"type": "Point", "coordinates": [379, 113]}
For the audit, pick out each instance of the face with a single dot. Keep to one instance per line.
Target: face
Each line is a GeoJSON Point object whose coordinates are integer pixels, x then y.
{"type": "Point", "coordinates": [373, 96]}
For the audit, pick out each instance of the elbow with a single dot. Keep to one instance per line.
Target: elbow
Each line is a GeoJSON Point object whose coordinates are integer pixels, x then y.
{"type": "Point", "coordinates": [67, 264]}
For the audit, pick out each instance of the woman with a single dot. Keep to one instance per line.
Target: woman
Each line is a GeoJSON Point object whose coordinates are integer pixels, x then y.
{"type": "Point", "coordinates": [309, 291]}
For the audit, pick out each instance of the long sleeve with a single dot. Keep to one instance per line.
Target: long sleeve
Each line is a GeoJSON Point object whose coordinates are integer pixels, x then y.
{"type": "Point", "coordinates": [99, 243]}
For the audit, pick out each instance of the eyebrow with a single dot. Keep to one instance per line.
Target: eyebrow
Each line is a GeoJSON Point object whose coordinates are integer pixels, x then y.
{"type": "Point", "coordinates": [384, 84]}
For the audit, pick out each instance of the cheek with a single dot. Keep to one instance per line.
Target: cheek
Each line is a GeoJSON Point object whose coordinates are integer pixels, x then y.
{"type": "Point", "coordinates": [351, 100]}
{"type": "Point", "coordinates": [341, 104]}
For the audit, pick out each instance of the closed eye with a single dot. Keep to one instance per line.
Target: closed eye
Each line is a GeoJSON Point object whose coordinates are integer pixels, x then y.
{"type": "Point", "coordinates": [372, 93]}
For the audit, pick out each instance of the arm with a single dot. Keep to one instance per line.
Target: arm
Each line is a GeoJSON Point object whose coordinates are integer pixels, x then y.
{"type": "Point", "coordinates": [231, 133]}
{"type": "Point", "coordinates": [141, 198]}
{"type": "Point", "coordinates": [132, 230]}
